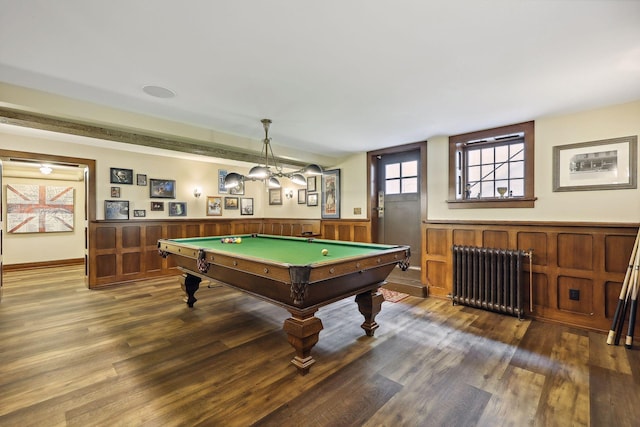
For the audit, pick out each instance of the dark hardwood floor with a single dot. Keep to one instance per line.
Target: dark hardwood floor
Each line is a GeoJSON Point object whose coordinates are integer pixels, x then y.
{"type": "Point", "coordinates": [137, 355]}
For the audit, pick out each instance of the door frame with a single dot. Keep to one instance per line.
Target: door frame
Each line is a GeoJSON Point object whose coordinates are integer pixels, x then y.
{"type": "Point", "coordinates": [89, 185]}
{"type": "Point", "coordinates": [374, 186]}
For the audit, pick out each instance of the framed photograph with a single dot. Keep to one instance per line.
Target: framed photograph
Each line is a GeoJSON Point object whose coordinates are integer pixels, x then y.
{"type": "Point", "coordinates": [312, 199]}
{"type": "Point", "coordinates": [246, 206]}
{"type": "Point", "coordinates": [116, 209]}
{"type": "Point", "coordinates": [609, 164]}
{"type": "Point", "coordinates": [311, 184]}
{"type": "Point", "coordinates": [231, 203]}
{"type": "Point", "coordinates": [214, 206]}
{"type": "Point", "coordinates": [157, 206]}
{"type": "Point", "coordinates": [141, 179]}
{"type": "Point", "coordinates": [330, 194]}
{"type": "Point", "coordinates": [302, 196]}
{"type": "Point", "coordinates": [162, 188]}
{"type": "Point", "coordinates": [139, 213]}
{"type": "Point", "coordinates": [222, 174]}
{"type": "Point", "coordinates": [115, 192]}
{"type": "Point", "coordinates": [275, 196]}
{"type": "Point", "coordinates": [177, 209]}
{"type": "Point", "coordinates": [121, 176]}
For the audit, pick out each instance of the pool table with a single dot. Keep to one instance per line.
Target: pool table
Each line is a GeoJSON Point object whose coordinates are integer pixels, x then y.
{"type": "Point", "coordinates": [293, 273]}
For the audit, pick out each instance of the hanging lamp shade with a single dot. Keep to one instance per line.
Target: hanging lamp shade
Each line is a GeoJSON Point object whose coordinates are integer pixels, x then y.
{"type": "Point", "coordinates": [312, 170]}
{"type": "Point", "coordinates": [233, 180]}
{"type": "Point", "coordinates": [258, 172]}
{"type": "Point", "coordinates": [274, 183]}
{"type": "Point", "coordinates": [298, 179]}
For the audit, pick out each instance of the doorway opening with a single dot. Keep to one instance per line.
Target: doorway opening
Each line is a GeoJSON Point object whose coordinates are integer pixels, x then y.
{"type": "Point", "coordinates": [30, 194]}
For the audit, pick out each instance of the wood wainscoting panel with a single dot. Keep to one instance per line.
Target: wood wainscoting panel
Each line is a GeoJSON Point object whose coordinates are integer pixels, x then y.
{"type": "Point", "coordinates": [495, 239]}
{"type": "Point", "coordinates": [535, 242]}
{"type": "Point", "coordinates": [575, 251]}
{"type": "Point", "coordinates": [583, 288]}
{"type": "Point", "coordinates": [590, 258]}
{"type": "Point", "coordinates": [613, 245]}
{"type": "Point", "coordinates": [131, 237]}
{"type": "Point", "coordinates": [462, 237]}
{"type": "Point", "coordinates": [437, 242]}
{"type": "Point", "coordinates": [105, 238]}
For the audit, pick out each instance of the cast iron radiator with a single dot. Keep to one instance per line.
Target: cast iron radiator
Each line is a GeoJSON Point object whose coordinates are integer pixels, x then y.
{"type": "Point", "coordinates": [488, 278]}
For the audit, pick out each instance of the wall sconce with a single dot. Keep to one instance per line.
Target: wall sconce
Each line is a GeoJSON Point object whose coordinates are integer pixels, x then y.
{"type": "Point", "coordinates": [288, 193]}
{"type": "Point", "coordinates": [197, 192]}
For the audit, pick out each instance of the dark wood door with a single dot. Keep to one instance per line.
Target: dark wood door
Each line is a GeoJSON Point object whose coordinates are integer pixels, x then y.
{"type": "Point", "coordinates": [398, 201]}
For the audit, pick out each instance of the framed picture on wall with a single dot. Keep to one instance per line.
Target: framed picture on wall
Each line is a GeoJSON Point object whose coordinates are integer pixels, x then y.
{"type": "Point", "coordinates": [121, 176]}
{"type": "Point", "coordinates": [115, 192]}
{"type": "Point", "coordinates": [311, 184]}
{"type": "Point", "coordinates": [177, 209]}
{"type": "Point", "coordinates": [302, 196]}
{"type": "Point", "coordinates": [162, 188]}
{"type": "Point", "coordinates": [312, 199]}
{"type": "Point", "coordinates": [231, 203]}
{"type": "Point", "coordinates": [275, 196]}
{"type": "Point", "coordinates": [609, 164]}
{"type": "Point", "coordinates": [222, 174]}
{"type": "Point", "coordinates": [157, 206]}
{"type": "Point", "coordinates": [116, 209]}
{"type": "Point", "coordinates": [214, 206]}
{"type": "Point", "coordinates": [141, 179]}
{"type": "Point", "coordinates": [330, 194]}
{"type": "Point", "coordinates": [246, 206]}
{"type": "Point", "coordinates": [139, 213]}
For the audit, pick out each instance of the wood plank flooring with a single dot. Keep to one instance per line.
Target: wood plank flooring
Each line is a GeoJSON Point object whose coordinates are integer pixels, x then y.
{"type": "Point", "coordinates": [136, 355]}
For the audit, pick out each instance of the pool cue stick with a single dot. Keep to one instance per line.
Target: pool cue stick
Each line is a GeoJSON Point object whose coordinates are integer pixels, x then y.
{"type": "Point", "coordinates": [634, 304]}
{"type": "Point", "coordinates": [623, 294]}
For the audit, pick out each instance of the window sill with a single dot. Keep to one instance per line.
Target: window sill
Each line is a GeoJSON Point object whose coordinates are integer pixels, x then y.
{"type": "Point", "coordinates": [513, 202]}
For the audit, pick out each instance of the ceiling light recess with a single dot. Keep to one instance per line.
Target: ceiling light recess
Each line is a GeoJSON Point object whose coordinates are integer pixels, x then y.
{"type": "Point", "coordinates": [264, 173]}
{"type": "Point", "coordinates": [158, 91]}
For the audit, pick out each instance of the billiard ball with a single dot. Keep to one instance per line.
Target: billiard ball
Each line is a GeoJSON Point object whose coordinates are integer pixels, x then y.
{"type": "Point", "coordinates": [325, 252]}
{"type": "Point", "coordinates": [239, 240]}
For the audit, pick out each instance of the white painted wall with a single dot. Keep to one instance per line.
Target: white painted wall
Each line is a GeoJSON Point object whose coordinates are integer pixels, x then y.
{"type": "Point", "coordinates": [582, 206]}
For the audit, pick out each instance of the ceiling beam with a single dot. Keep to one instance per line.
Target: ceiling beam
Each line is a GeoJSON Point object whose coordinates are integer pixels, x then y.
{"type": "Point", "coordinates": [203, 148]}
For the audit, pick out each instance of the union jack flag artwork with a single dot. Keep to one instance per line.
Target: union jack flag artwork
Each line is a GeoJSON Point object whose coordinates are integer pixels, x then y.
{"type": "Point", "coordinates": [39, 208]}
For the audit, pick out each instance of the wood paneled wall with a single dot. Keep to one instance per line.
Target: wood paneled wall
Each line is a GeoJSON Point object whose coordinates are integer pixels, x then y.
{"type": "Point", "coordinates": [124, 251]}
{"type": "Point", "coordinates": [590, 258]}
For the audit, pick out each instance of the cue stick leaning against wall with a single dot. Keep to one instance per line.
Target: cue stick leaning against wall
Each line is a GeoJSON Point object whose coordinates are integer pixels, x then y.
{"type": "Point", "coordinates": [618, 316]}
{"type": "Point", "coordinates": [634, 301]}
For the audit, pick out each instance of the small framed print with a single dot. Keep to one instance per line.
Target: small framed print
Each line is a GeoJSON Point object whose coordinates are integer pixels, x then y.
{"type": "Point", "coordinates": [246, 206]}
{"type": "Point", "coordinates": [162, 188]}
{"type": "Point", "coordinates": [214, 206]}
{"type": "Point", "coordinates": [141, 179]}
{"type": "Point", "coordinates": [116, 209]}
{"type": "Point", "coordinates": [312, 199]}
{"type": "Point", "coordinates": [330, 194]}
{"type": "Point", "coordinates": [157, 206]}
{"type": "Point", "coordinates": [177, 209]}
{"type": "Point", "coordinates": [302, 196]}
{"type": "Point", "coordinates": [311, 184]}
{"type": "Point", "coordinates": [121, 176]}
{"type": "Point", "coordinates": [139, 213]}
{"type": "Point", "coordinates": [231, 203]}
{"type": "Point", "coordinates": [275, 196]}
{"type": "Point", "coordinates": [115, 192]}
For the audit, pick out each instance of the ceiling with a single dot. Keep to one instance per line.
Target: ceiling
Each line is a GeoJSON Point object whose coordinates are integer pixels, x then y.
{"type": "Point", "coordinates": [335, 76]}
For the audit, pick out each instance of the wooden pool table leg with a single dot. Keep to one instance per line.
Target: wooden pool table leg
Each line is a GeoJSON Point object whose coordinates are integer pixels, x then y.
{"type": "Point", "coordinates": [190, 284]}
{"type": "Point", "coordinates": [303, 330]}
{"type": "Point", "coordinates": [370, 304]}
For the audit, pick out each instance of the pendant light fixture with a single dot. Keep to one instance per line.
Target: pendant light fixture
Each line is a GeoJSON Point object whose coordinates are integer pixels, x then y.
{"type": "Point", "coordinates": [270, 170]}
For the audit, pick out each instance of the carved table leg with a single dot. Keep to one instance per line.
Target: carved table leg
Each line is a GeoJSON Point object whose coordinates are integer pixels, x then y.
{"type": "Point", "coordinates": [190, 284]}
{"type": "Point", "coordinates": [302, 333]}
{"type": "Point", "coordinates": [370, 304]}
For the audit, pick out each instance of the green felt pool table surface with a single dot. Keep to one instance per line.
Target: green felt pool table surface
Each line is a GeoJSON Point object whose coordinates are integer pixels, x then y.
{"type": "Point", "coordinates": [283, 249]}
